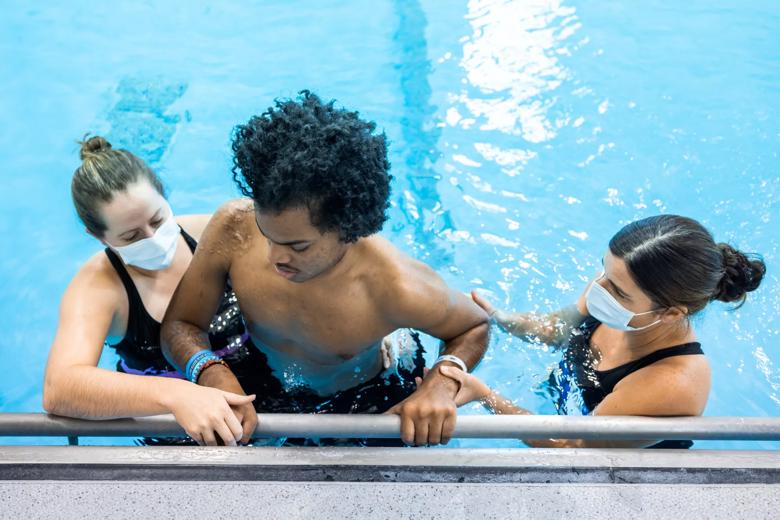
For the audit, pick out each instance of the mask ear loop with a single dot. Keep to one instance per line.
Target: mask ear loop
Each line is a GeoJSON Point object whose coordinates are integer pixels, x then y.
{"type": "Point", "coordinates": [656, 322]}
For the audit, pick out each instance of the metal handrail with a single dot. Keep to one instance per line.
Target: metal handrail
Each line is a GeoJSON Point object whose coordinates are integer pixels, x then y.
{"type": "Point", "coordinates": [388, 426]}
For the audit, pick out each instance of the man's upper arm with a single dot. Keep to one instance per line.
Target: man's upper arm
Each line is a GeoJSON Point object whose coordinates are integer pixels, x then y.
{"type": "Point", "coordinates": [200, 290]}
{"type": "Point", "coordinates": [421, 300]}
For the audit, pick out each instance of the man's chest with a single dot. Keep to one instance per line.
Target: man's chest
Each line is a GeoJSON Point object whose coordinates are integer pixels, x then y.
{"type": "Point", "coordinates": [340, 319]}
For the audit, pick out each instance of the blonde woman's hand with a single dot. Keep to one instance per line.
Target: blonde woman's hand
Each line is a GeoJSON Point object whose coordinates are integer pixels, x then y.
{"type": "Point", "coordinates": [206, 414]}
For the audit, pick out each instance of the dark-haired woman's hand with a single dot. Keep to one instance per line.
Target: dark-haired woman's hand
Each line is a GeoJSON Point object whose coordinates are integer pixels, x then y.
{"type": "Point", "coordinates": [482, 302]}
{"type": "Point", "coordinates": [471, 388]}
{"type": "Point", "coordinates": [504, 320]}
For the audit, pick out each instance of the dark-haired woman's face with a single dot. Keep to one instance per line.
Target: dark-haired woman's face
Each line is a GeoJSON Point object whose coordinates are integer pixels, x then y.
{"type": "Point", "coordinates": [297, 250]}
{"type": "Point", "coordinates": [618, 282]}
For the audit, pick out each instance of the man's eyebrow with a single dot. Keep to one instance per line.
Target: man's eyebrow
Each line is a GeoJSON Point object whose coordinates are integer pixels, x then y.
{"type": "Point", "coordinates": [291, 243]}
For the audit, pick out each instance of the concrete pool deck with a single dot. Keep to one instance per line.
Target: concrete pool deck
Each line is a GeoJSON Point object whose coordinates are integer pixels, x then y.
{"type": "Point", "coordinates": [97, 481]}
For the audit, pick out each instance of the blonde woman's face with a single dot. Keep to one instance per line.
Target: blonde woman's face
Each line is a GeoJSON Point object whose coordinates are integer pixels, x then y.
{"type": "Point", "coordinates": [134, 214]}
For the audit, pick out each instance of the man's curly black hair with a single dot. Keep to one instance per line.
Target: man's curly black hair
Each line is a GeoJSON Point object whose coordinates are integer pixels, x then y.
{"type": "Point", "coordinates": [306, 153]}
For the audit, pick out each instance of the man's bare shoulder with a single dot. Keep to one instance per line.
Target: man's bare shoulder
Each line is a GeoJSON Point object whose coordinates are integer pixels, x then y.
{"type": "Point", "coordinates": [235, 212]}
{"type": "Point", "coordinates": [231, 228]}
{"type": "Point", "coordinates": [400, 276]}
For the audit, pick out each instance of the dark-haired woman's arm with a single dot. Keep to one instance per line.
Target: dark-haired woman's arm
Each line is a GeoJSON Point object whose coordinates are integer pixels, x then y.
{"type": "Point", "coordinates": [666, 391]}
{"type": "Point", "coordinates": [552, 329]}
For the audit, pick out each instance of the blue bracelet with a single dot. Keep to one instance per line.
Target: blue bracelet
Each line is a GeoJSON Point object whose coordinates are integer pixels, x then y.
{"type": "Point", "coordinates": [199, 365]}
{"type": "Point", "coordinates": [192, 360]}
{"type": "Point", "coordinates": [196, 362]}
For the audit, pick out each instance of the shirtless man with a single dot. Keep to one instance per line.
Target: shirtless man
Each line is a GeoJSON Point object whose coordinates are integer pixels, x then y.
{"type": "Point", "coordinates": [318, 288]}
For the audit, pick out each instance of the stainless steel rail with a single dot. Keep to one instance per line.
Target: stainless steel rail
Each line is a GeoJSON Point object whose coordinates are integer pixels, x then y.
{"type": "Point", "coordinates": [388, 426]}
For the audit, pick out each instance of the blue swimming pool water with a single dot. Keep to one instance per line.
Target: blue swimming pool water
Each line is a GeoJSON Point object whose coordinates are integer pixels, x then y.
{"type": "Point", "coordinates": [523, 135]}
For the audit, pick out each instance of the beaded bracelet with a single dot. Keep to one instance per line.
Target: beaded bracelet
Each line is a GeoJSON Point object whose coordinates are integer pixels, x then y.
{"type": "Point", "coordinates": [196, 362]}
{"type": "Point", "coordinates": [207, 364]}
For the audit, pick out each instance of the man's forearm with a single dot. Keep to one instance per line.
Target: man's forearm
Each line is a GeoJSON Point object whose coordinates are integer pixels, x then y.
{"type": "Point", "coordinates": [469, 346]}
{"type": "Point", "coordinates": [181, 340]}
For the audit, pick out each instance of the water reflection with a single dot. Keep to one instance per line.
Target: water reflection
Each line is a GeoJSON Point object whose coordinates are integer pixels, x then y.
{"type": "Point", "coordinates": [506, 116]}
{"type": "Point", "coordinates": [512, 62]}
{"type": "Point", "coordinates": [420, 201]}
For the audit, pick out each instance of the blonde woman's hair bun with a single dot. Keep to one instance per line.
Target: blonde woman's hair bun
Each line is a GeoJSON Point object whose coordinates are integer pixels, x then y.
{"type": "Point", "coordinates": [92, 146]}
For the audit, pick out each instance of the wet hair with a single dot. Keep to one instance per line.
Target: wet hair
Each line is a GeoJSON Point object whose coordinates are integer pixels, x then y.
{"type": "Point", "coordinates": [306, 153]}
{"type": "Point", "coordinates": [103, 172]}
{"type": "Point", "coordinates": [676, 262]}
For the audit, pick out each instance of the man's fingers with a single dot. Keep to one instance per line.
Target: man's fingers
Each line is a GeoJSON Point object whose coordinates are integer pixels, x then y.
{"type": "Point", "coordinates": [434, 430]}
{"type": "Point", "coordinates": [248, 426]}
{"type": "Point", "coordinates": [418, 381]}
{"type": "Point", "coordinates": [407, 430]}
{"type": "Point", "coordinates": [448, 428]}
{"type": "Point", "coordinates": [421, 432]}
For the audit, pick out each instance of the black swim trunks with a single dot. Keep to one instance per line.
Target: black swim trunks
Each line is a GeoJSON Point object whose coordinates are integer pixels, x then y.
{"type": "Point", "coordinates": [377, 395]}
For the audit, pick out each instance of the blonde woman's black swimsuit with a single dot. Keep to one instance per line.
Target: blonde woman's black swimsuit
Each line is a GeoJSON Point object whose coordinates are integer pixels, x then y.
{"type": "Point", "coordinates": [140, 350]}
{"type": "Point", "coordinates": [576, 371]}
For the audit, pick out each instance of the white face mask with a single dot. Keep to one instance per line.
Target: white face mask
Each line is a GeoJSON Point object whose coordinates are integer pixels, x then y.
{"type": "Point", "coordinates": [153, 253]}
{"type": "Point", "coordinates": [605, 308]}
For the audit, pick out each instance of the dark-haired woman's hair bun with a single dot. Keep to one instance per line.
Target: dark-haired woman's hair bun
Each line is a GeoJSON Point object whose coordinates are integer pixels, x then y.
{"type": "Point", "coordinates": [92, 146]}
{"type": "Point", "coordinates": [742, 273]}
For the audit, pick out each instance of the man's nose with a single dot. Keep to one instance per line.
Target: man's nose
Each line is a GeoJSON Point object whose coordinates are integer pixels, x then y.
{"type": "Point", "coordinates": [278, 254]}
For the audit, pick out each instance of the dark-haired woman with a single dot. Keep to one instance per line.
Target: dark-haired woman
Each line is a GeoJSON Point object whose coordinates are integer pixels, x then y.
{"type": "Point", "coordinates": [629, 346]}
{"type": "Point", "coordinates": [119, 298]}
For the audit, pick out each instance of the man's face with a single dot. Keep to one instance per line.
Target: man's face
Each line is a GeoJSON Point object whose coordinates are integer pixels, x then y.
{"type": "Point", "coordinates": [297, 250]}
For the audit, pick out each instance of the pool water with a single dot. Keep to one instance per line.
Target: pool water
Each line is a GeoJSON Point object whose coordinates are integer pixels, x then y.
{"type": "Point", "coordinates": [523, 135]}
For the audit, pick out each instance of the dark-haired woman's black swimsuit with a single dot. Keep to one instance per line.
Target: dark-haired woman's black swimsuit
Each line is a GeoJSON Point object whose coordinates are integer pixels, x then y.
{"type": "Point", "coordinates": [140, 352]}
{"type": "Point", "coordinates": [577, 367]}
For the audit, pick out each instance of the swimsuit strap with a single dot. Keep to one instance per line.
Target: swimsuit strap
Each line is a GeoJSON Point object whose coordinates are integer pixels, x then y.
{"type": "Point", "coordinates": [133, 297]}
{"type": "Point", "coordinates": [137, 310]}
{"type": "Point", "coordinates": [686, 349]}
{"type": "Point", "coordinates": [191, 242]}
